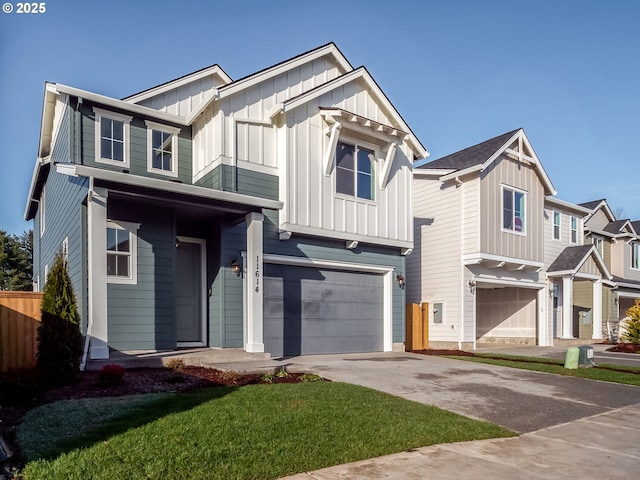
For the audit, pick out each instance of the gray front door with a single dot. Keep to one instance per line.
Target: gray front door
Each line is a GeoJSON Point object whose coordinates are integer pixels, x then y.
{"type": "Point", "coordinates": [189, 294]}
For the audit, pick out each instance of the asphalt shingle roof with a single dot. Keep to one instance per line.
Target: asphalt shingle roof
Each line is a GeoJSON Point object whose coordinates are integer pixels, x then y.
{"type": "Point", "coordinates": [471, 156]}
{"type": "Point", "coordinates": [614, 227]}
{"type": "Point", "coordinates": [570, 258]}
{"type": "Point", "coordinates": [593, 204]}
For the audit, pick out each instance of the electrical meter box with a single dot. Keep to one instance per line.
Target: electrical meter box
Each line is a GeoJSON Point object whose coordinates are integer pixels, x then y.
{"type": "Point", "coordinates": [585, 356]}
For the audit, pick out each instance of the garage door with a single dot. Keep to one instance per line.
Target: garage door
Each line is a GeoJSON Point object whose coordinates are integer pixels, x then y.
{"type": "Point", "coordinates": [312, 311]}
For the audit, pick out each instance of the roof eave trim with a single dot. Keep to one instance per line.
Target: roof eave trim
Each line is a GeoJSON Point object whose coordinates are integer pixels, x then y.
{"type": "Point", "coordinates": [434, 172]}
{"type": "Point", "coordinates": [461, 173]}
{"type": "Point", "coordinates": [568, 205]}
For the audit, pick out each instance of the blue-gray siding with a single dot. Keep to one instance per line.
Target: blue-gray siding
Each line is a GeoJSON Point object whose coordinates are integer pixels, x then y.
{"type": "Point", "coordinates": [249, 182]}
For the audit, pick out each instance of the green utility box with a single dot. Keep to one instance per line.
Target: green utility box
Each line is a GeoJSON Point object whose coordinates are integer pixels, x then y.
{"type": "Point", "coordinates": [571, 359]}
{"type": "Point", "coordinates": [585, 358]}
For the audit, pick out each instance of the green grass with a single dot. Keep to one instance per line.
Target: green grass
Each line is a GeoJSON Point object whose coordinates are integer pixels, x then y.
{"type": "Point", "coordinates": [257, 431]}
{"type": "Point", "coordinates": [604, 372]}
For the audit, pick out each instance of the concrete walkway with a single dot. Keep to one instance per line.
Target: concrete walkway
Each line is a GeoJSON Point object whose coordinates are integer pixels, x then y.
{"type": "Point", "coordinates": [571, 428]}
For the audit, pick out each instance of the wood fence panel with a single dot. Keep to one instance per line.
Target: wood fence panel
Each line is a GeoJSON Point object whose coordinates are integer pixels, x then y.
{"type": "Point", "coordinates": [19, 322]}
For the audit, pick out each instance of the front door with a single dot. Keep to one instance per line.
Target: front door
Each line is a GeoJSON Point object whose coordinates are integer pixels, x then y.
{"type": "Point", "coordinates": [189, 293]}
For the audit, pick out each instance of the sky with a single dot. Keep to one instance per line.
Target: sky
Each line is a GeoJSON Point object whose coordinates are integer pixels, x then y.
{"type": "Point", "coordinates": [458, 71]}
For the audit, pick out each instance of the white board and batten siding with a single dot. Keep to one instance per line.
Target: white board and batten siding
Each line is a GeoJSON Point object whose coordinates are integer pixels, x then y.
{"type": "Point", "coordinates": [434, 268]}
{"type": "Point", "coordinates": [236, 129]}
{"type": "Point", "coordinates": [510, 173]}
{"type": "Point", "coordinates": [314, 205]}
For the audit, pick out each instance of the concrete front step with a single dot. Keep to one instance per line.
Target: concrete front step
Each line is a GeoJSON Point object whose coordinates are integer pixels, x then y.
{"type": "Point", "coordinates": [192, 356]}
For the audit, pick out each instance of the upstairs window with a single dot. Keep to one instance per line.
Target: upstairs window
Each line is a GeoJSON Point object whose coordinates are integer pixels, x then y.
{"type": "Point", "coordinates": [574, 230]}
{"type": "Point", "coordinates": [513, 210]}
{"type": "Point", "coordinates": [121, 253]}
{"type": "Point", "coordinates": [599, 243]}
{"type": "Point", "coordinates": [556, 225]}
{"type": "Point", "coordinates": [162, 147]}
{"type": "Point", "coordinates": [355, 171]}
{"type": "Point", "coordinates": [112, 138]}
{"type": "Point", "coordinates": [635, 256]}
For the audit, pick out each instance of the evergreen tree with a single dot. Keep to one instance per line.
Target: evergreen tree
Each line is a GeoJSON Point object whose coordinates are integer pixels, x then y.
{"type": "Point", "coordinates": [16, 264]}
{"type": "Point", "coordinates": [632, 334]}
{"type": "Point", "coordinates": [59, 337]}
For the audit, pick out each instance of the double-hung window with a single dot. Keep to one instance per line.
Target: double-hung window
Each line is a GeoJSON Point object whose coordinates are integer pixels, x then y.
{"type": "Point", "coordinates": [574, 230]}
{"type": "Point", "coordinates": [556, 225]}
{"type": "Point", "coordinates": [599, 243]}
{"type": "Point", "coordinates": [513, 210]}
{"type": "Point", "coordinates": [112, 138]}
{"type": "Point", "coordinates": [121, 252]}
{"type": "Point", "coordinates": [162, 149]}
{"type": "Point", "coordinates": [635, 256]}
{"type": "Point", "coordinates": [355, 171]}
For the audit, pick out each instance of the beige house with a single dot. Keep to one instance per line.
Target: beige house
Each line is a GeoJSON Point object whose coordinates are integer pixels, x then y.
{"type": "Point", "coordinates": [479, 254]}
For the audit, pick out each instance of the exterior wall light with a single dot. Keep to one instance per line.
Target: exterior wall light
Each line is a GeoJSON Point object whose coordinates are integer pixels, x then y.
{"type": "Point", "coordinates": [235, 267]}
{"type": "Point", "coordinates": [472, 286]}
{"type": "Point", "coordinates": [401, 282]}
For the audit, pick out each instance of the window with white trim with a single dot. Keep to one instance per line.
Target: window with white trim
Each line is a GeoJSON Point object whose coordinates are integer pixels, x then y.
{"type": "Point", "coordinates": [556, 225]}
{"type": "Point", "coordinates": [574, 230]}
{"type": "Point", "coordinates": [41, 210]}
{"type": "Point", "coordinates": [112, 138]}
{"type": "Point", "coordinates": [162, 149]}
{"type": "Point", "coordinates": [635, 256]}
{"type": "Point", "coordinates": [355, 170]}
{"type": "Point", "coordinates": [599, 243]}
{"type": "Point", "coordinates": [121, 252]}
{"type": "Point", "coordinates": [513, 210]}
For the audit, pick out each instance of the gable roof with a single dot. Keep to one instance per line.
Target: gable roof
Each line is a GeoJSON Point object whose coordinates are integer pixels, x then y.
{"type": "Point", "coordinates": [571, 260]}
{"type": "Point", "coordinates": [593, 204]}
{"type": "Point", "coordinates": [597, 205]}
{"type": "Point", "coordinates": [636, 225]}
{"type": "Point", "coordinates": [620, 227]}
{"type": "Point", "coordinates": [479, 157]}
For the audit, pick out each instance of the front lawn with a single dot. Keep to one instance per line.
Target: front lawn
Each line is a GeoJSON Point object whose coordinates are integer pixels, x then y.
{"type": "Point", "coordinates": [257, 431]}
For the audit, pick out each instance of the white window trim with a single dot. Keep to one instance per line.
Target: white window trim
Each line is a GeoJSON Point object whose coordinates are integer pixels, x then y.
{"type": "Point", "coordinates": [132, 228]}
{"type": "Point", "coordinates": [553, 233]}
{"type": "Point", "coordinates": [41, 209]}
{"type": "Point", "coordinates": [571, 230]}
{"type": "Point", "coordinates": [595, 240]}
{"type": "Point", "coordinates": [175, 132]}
{"type": "Point", "coordinates": [526, 219]}
{"type": "Point", "coordinates": [375, 167]}
{"type": "Point", "coordinates": [126, 120]}
{"type": "Point", "coordinates": [635, 246]}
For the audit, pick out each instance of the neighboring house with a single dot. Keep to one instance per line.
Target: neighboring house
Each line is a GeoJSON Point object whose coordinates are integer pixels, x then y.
{"type": "Point", "coordinates": [579, 276]}
{"type": "Point", "coordinates": [271, 213]}
{"type": "Point", "coordinates": [479, 256]}
{"type": "Point", "coordinates": [619, 243]}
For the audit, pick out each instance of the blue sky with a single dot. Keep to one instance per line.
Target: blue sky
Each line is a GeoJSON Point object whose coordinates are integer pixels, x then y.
{"type": "Point", "coordinates": [459, 72]}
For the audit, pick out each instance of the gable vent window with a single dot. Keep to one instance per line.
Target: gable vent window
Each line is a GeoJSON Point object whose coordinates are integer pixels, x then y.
{"type": "Point", "coordinates": [513, 210]}
{"type": "Point", "coordinates": [355, 171]}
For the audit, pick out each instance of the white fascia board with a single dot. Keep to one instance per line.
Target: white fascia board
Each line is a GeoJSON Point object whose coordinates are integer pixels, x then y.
{"type": "Point", "coordinates": [434, 172]}
{"type": "Point", "coordinates": [543, 173]}
{"type": "Point", "coordinates": [567, 205]}
{"type": "Point", "coordinates": [459, 173]}
{"type": "Point", "coordinates": [602, 233]}
{"type": "Point", "coordinates": [605, 206]}
{"type": "Point", "coordinates": [32, 187]}
{"type": "Point", "coordinates": [295, 62]}
{"type": "Point", "coordinates": [46, 122]}
{"type": "Point", "coordinates": [374, 89]}
{"type": "Point", "coordinates": [482, 279]}
{"type": "Point", "coordinates": [172, 187]}
{"type": "Point", "coordinates": [209, 98]}
{"type": "Point", "coordinates": [633, 286]}
{"type": "Point", "coordinates": [320, 263]}
{"type": "Point", "coordinates": [475, 258]}
{"type": "Point", "coordinates": [121, 104]}
{"type": "Point", "coordinates": [335, 235]}
{"type": "Point", "coordinates": [180, 82]}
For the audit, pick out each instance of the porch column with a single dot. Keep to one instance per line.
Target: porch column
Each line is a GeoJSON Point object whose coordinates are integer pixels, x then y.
{"type": "Point", "coordinates": [567, 307]}
{"type": "Point", "coordinates": [543, 320]}
{"type": "Point", "coordinates": [97, 272]}
{"type": "Point", "coordinates": [597, 310]}
{"type": "Point", "coordinates": [255, 272]}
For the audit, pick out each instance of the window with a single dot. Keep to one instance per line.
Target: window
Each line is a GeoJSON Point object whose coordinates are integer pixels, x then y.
{"type": "Point", "coordinates": [41, 210]}
{"type": "Point", "coordinates": [599, 243]}
{"type": "Point", "coordinates": [556, 225]}
{"type": "Point", "coordinates": [635, 255]}
{"type": "Point", "coordinates": [513, 210]}
{"type": "Point", "coordinates": [355, 171]}
{"type": "Point", "coordinates": [574, 230]}
{"type": "Point", "coordinates": [121, 252]}
{"type": "Point", "coordinates": [162, 148]}
{"type": "Point", "coordinates": [112, 138]}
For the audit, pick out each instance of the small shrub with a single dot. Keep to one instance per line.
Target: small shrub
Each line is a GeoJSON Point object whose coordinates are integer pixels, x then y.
{"type": "Point", "coordinates": [281, 373]}
{"type": "Point", "coordinates": [311, 377]}
{"type": "Point", "coordinates": [110, 375]}
{"type": "Point", "coordinates": [19, 385]}
{"type": "Point", "coordinates": [175, 376]}
{"type": "Point", "coordinates": [268, 378]}
{"type": "Point", "coordinates": [176, 363]}
{"type": "Point", "coordinates": [632, 325]}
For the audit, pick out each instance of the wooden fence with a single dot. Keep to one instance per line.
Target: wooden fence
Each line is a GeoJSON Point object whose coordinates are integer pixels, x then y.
{"type": "Point", "coordinates": [417, 327]}
{"type": "Point", "coordinates": [19, 322]}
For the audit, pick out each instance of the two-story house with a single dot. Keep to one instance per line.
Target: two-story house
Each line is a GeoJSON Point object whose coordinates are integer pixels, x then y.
{"type": "Point", "coordinates": [271, 213]}
{"type": "Point", "coordinates": [479, 257]}
{"type": "Point", "coordinates": [618, 241]}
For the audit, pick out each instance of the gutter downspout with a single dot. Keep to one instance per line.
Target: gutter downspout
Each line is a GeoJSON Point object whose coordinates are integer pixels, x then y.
{"type": "Point", "coordinates": [85, 351]}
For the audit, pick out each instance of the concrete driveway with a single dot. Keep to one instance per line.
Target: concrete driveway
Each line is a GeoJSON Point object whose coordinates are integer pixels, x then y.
{"type": "Point", "coordinates": [572, 428]}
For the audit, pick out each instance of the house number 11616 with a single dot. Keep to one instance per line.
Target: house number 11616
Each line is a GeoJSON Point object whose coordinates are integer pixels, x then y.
{"type": "Point", "coordinates": [257, 289]}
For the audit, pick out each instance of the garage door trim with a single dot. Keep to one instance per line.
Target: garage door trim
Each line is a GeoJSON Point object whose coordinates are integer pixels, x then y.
{"type": "Point", "coordinates": [387, 282]}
